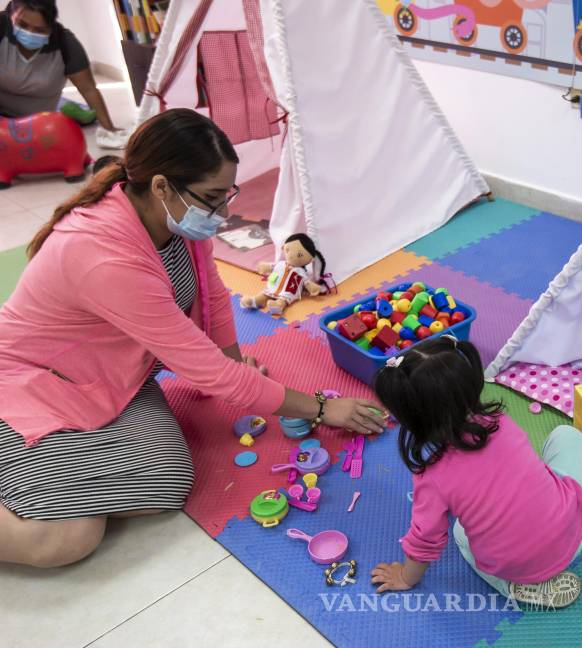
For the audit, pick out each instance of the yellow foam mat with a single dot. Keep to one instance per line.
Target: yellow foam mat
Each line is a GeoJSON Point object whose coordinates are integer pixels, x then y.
{"type": "Point", "coordinates": [387, 269]}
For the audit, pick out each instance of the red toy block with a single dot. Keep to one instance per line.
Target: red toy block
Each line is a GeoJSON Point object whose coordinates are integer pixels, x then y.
{"type": "Point", "coordinates": [352, 327]}
{"type": "Point", "coordinates": [387, 296]}
{"type": "Point", "coordinates": [457, 317]}
{"type": "Point", "coordinates": [423, 332]}
{"type": "Point", "coordinates": [429, 311]}
{"type": "Point", "coordinates": [386, 338]}
{"type": "Point", "coordinates": [397, 317]}
{"type": "Point", "coordinates": [404, 344]}
{"type": "Point", "coordinates": [369, 319]}
{"type": "Point", "coordinates": [407, 294]}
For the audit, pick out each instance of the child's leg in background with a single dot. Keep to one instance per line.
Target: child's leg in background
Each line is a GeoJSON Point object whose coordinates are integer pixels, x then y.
{"type": "Point", "coordinates": [462, 541]}
{"type": "Point", "coordinates": [562, 452]}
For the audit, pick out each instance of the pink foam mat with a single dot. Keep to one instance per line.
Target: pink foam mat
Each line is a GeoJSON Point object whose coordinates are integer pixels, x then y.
{"type": "Point", "coordinates": [222, 490]}
{"type": "Point", "coordinates": [552, 386]}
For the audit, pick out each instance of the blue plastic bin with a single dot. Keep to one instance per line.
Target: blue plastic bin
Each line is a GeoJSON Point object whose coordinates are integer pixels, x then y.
{"type": "Point", "coordinates": [365, 365]}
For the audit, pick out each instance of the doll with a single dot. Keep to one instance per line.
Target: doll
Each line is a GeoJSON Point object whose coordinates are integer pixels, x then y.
{"type": "Point", "coordinates": [288, 278]}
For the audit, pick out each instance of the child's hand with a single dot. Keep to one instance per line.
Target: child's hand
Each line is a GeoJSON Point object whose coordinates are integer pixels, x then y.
{"type": "Point", "coordinates": [390, 577]}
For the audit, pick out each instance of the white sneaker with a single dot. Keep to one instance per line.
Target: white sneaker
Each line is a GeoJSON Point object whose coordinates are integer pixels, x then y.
{"type": "Point", "coordinates": [112, 139]}
{"type": "Point", "coordinates": [558, 592]}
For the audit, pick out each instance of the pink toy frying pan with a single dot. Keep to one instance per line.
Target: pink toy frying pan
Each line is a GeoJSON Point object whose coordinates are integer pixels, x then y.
{"type": "Point", "coordinates": [325, 547]}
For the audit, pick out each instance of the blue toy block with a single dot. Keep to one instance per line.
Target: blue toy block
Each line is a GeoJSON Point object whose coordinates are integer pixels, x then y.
{"type": "Point", "coordinates": [371, 306]}
{"type": "Point", "coordinates": [407, 333]}
{"type": "Point", "coordinates": [425, 320]}
{"type": "Point", "coordinates": [375, 351]}
{"type": "Point", "coordinates": [440, 302]}
{"type": "Point", "coordinates": [402, 287]}
{"type": "Point", "coordinates": [384, 308]}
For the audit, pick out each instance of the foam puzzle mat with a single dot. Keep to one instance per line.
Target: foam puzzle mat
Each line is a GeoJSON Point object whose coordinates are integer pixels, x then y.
{"type": "Point", "coordinates": [495, 256]}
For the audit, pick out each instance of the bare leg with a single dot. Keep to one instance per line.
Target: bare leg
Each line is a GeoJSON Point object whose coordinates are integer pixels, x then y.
{"type": "Point", "coordinates": [130, 514]}
{"type": "Point", "coordinates": [42, 543]}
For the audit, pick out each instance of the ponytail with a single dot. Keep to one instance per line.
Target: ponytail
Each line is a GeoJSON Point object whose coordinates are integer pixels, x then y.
{"type": "Point", "coordinates": [92, 192]}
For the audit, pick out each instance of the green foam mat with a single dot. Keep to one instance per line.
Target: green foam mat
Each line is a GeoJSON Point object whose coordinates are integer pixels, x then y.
{"type": "Point", "coordinates": [537, 426]}
{"type": "Point", "coordinates": [12, 263]}
{"type": "Point", "coordinates": [474, 223]}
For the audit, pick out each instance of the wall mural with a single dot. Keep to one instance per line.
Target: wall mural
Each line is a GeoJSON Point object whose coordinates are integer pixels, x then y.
{"type": "Point", "coordinates": [535, 39]}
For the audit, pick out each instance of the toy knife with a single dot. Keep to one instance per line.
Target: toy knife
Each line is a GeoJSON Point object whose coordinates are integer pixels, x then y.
{"type": "Point", "coordinates": [349, 448]}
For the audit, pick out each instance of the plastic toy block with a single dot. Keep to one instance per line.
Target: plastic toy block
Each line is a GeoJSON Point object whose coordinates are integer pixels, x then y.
{"type": "Point", "coordinates": [371, 334]}
{"type": "Point", "coordinates": [419, 302]}
{"type": "Point", "coordinates": [452, 302]}
{"type": "Point", "coordinates": [444, 291]}
{"type": "Point", "coordinates": [386, 338]}
{"type": "Point", "coordinates": [385, 295]}
{"type": "Point", "coordinates": [403, 305]}
{"type": "Point", "coordinates": [578, 407]}
{"type": "Point", "coordinates": [352, 327]}
{"type": "Point", "coordinates": [375, 351]}
{"type": "Point", "coordinates": [419, 286]}
{"type": "Point", "coordinates": [363, 343]}
{"type": "Point", "coordinates": [369, 306]}
{"type": "Point", "coordinates": [405, 344]}
{"type": "Point", "coordinates": [384, 308]}
{"type": "Point", "coordinates": [407, 334]}
{"type": "Point", "coordinates": [440, 301]}
{"type": "Point", "coordinates": [397, 317]}
{"type": "Point", "coordinates": [423, 332]}
{"type": "Point", "coordinates": [391, 352]}
{"type": "Point", "coordinates": [425, 320]}
{"type": "Point", "coordinates": [397, 294]}
{"type": "Point", "coordinates": [457, 317]}
{"type": "Point", "coordinates": [369, 319]}
{"type": "Point", "coordinates": [437, 327]}
{"type": "Point", "coordinates": [397, 328]}
{"type": "Point", "coordinates": [411, 322]}
{"type": "Point", "coordinates": [407, 294]}
{"type": "Point", "coordinates": [382, 323]}
{"type": "Point", "coordinates": [429, 311]}
{"type": "Point", "coordinates": [404, 286]}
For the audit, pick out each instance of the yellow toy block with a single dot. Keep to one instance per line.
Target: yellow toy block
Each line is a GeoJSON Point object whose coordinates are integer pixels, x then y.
{"type": "Point", "coordinates": [370, 335]}
{"type": "Point", "coordinates": [578, 407]}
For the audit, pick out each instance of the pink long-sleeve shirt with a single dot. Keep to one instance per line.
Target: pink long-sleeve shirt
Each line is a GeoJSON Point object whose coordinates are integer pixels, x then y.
{"type": "Point", "coordinates": [523, 522]}
{"type": "Point", "coordinates": [92, 312]}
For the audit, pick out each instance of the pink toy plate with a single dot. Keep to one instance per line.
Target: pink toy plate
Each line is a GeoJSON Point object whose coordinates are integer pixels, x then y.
{"type": "Point", "coordinates": [325, 547]}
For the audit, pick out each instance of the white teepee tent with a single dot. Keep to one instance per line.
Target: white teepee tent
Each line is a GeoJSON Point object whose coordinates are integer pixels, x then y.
{"type": "Point", "coordinates": [368, 163]}
{"type": "Point", "coordinates": [550, 334]}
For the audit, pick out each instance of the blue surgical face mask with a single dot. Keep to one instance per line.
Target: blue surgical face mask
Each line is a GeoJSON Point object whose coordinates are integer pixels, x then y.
{"type": "Point", "coordinates": [196, 224]}
{"type": "Point", "coordinates": [30, 40]}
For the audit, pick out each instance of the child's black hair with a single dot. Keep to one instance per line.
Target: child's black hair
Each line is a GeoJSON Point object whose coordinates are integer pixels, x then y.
{"type": "Point", "coordinates": [309, 245]}
{"type": "Point", "coordinates": [435, 395]}
{"type": "Point", "coordinates": [105, 160]}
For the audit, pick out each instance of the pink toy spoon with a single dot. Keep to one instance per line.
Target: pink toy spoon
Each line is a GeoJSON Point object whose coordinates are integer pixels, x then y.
{"type": "Point", "coordinates": [325, 547]}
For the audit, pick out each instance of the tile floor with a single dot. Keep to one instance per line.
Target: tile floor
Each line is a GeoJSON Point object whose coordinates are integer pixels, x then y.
{"type": "Point", "coordinates": [157, 582]}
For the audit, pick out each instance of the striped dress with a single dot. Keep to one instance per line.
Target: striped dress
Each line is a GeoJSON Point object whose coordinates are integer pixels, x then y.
{"type": "Point", "coordinates": [138, 461]}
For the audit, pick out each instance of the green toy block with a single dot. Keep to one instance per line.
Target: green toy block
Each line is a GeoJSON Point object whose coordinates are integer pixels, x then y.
{"type": "Point", "coordinates": [397, 295]}
{"type": "Point", "coordinates": [363, 343]}
{"type": "Point", "coordinates": [443, 290]}
{"type": "Point", "coordinates": [411, 321]}
{"type": "Point", "coordinates": [419, 302]}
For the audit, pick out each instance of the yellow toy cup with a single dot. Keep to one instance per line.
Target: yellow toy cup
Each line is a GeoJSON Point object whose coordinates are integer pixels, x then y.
{"type": "Point", "coordinates": [310, 480]}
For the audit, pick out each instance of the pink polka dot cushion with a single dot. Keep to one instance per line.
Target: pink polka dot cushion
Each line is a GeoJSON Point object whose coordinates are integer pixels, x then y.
{"type": "Point", "coordinates": [552, 386]}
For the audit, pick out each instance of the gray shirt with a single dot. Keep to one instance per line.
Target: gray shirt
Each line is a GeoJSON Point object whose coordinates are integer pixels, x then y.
{"type": "Point", "coordinates": [35, 85]}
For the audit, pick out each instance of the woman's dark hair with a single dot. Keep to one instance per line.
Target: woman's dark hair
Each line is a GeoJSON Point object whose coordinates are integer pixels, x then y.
{"type": "Point", "coordinates": [105, 160]}
{"type": "Point", "coordinates": [435, 394]}
{"type": "Point", "coordinates": [180, 144]}
{"type": "Point", "coordinates": [46, 8]}
{"type": "Point", "coordinates": [309, 245]}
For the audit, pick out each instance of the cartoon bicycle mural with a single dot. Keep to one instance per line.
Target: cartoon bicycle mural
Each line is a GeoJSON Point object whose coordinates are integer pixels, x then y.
{"type": "Point", "coordinates": [507, 15]}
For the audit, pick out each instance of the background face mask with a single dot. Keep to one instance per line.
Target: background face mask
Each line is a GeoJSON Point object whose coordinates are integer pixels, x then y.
{"type": "Point", "coordinates": [30, 40]}
{"type": "Point", "coordinates": [196, 224]}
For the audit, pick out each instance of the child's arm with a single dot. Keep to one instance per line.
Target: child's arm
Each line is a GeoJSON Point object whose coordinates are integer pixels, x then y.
{"type": "Point", "coordinates": [398, 576]}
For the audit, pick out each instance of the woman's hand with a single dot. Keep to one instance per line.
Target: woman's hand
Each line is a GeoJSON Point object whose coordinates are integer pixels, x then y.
{"type": "Point", "coordinates": [353, 414]}
{"type": "Point", "coordinates": [389, 577]}
{"type": "Point", "coordinates": [252, 362]}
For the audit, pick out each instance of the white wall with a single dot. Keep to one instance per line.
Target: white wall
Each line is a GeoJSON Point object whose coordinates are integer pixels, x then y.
{"type": "Point", "coordinates": [519, 130]}
{"type": "Point", "coordinates": [95, 25]}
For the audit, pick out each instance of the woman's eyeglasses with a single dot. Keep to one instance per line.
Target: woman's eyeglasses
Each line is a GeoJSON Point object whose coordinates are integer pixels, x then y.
{"type": "Point", "coordinates": [214, 208]}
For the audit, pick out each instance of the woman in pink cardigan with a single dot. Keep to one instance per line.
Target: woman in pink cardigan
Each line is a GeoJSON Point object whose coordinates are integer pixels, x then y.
{"type": "Point", "coordinates": [121, 282]}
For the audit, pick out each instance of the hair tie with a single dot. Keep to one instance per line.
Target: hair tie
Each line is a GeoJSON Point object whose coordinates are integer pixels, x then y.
{"type": "Point", "coordinates": [395, 361]}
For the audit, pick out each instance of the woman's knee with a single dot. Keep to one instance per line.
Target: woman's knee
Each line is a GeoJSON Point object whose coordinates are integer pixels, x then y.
{"type": "Point", "coordinates": [68, 542]}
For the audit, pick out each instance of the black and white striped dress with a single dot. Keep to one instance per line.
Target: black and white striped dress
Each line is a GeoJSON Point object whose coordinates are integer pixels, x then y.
{"type": "Point", "coordinates": [138, 461]}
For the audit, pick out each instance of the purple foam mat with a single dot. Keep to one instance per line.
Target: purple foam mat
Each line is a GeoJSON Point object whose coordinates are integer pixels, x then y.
{"type": "Point", "coordinates": [498, 313]}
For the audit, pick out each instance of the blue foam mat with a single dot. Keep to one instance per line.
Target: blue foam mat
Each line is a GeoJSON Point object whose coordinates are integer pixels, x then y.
{"type": "Point", "coordinates": [523, 259]}
{"type": "Point", "coordinates": [253, 324]}
{"type": "Point", "coordinates": [380, 518]}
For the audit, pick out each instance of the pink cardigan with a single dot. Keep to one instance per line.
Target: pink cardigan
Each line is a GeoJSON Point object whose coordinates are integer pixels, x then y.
{"type": "Point", "coordinates": [92, 312]}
